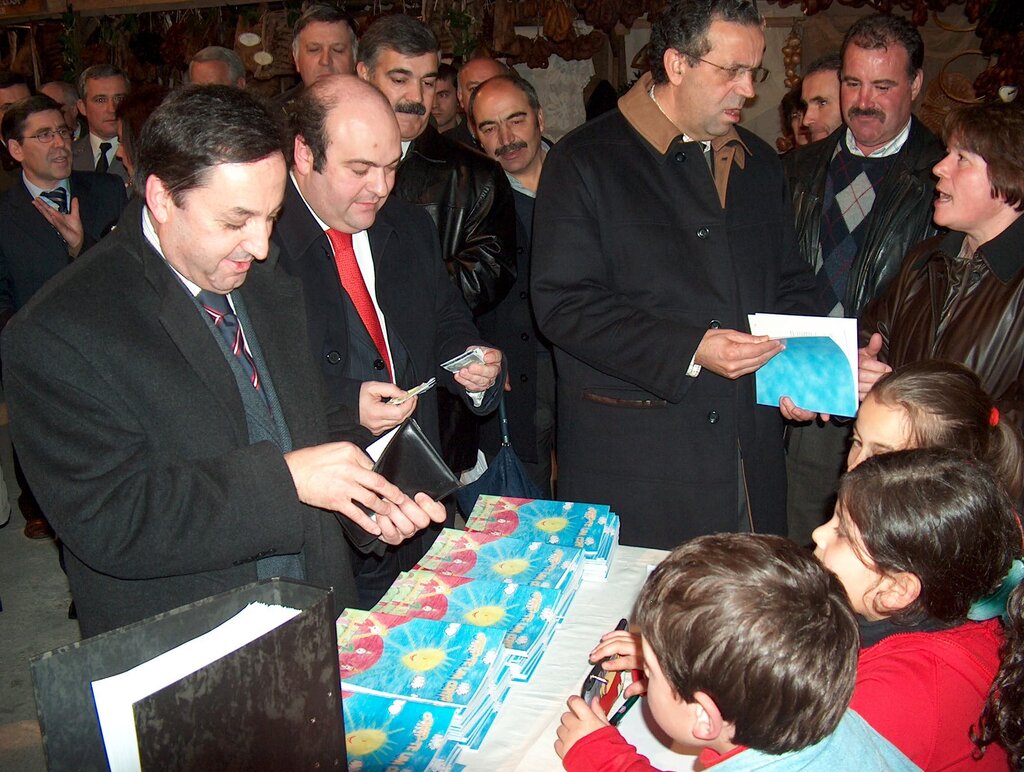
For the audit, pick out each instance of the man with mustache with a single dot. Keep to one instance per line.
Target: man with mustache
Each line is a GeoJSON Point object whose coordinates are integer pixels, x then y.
{"type": "Point", "coordinates": [465, 193]}
{"type": "Point", "coordinates": [508, 120]}
{"type": "Point", "coordinates": [345, 150]}
{"type": "Point", "coordinates": [658, 228]}
{"type": "Point", "coordinates": [863, 196]}
{"type": "Point", "coordinates": [49, 217]}
{"type": "Point", "coordinates": [102, 87]}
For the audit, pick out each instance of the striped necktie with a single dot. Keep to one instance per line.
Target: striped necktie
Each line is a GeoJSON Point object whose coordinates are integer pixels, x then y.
{"type": "Point", "coordinates": [59, 196]}
{"type": "Point", "coordinates": [227, 325]}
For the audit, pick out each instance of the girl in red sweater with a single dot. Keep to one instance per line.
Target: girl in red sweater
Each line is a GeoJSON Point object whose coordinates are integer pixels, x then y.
{"type": "Point", "coordinates": [918, 536]}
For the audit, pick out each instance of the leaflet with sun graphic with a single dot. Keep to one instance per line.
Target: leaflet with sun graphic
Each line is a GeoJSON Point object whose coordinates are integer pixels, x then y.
{"type": "Point", "coordinates": [444, 663]}
{"type": "Point", "coordinates": [594, 528]}
{"type": "Point", "coordinates": [392, 733]}
{"type": "Point", "coordinates": [433, 662]}
{"type": "Point", "coordinates": [504, 559]}
{"type": "Point", "coordinates": [527, 615]}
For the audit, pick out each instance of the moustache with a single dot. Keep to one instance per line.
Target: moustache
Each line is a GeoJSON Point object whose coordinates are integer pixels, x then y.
{"type": "Point", "coordinates": [411, 108]}
{"type": "Point", "coordinates": [870, 112]}
{"type": "Point", "coordinates": [511, 147]}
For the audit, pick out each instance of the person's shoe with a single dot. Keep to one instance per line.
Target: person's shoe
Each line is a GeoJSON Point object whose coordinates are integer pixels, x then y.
{"type": "Point", "coordinates": [38, 528]}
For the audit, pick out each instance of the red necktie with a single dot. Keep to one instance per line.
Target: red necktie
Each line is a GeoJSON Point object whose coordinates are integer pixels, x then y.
{"type": "Point", "coordinates": [352, 280]}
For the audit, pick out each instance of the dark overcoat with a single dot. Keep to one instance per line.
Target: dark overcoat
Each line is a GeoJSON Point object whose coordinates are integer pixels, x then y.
{"type": "Point", "coordinates": [634, 259]}
{"type": "Point", "coordinates": [130, 427]}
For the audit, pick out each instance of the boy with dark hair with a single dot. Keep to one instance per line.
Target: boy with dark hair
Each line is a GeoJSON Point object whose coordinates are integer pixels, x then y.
{"type": "Point", "coordinates": [750, 653]}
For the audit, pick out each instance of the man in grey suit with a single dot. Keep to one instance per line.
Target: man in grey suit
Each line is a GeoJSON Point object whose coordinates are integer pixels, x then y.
{"type": "Point", "coordinates": [102, 87]}
{"type": "Point", "coordinates": [163, 397]}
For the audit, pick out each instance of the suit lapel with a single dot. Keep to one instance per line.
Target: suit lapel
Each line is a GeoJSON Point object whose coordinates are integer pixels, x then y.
{"type": "Point", "coordinates": [28, 220]}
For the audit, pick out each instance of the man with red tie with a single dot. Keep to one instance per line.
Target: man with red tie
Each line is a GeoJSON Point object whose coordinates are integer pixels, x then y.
{"type": "Point", "coordinates": [382, 312]}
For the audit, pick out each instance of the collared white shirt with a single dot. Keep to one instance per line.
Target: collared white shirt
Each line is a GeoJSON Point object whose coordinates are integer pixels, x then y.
{"type": "Point", "coordinates": [37, 192]}
{"type": "Point", "coordinates": [888, 149]}
{"type": "Point", "coordinates": [95, 141]}
{"type": "Point", "coordinates": [364, 259]}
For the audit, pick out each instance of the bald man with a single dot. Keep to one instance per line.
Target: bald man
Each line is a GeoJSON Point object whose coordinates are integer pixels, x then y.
{"type": "Point", "coordinates": [347, 146]}
{"type": "Point", "coordinates": [472, 74]}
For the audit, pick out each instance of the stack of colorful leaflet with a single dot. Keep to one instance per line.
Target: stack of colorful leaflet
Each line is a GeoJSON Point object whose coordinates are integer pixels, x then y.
{"type": "Point", "coordinates": [440, 664]}
{"type": "Point", "coordinates": [527, 615]}
{"type": "Point", "coordinates": [504, 559]}
{"type": "Point", "coordinates": [594, 528]}
{"type": "Point", "coordinates": [383, 732]}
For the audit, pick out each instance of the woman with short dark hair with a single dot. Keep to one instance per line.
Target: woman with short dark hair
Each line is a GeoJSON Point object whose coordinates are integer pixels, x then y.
{"type": "Point", "coordinates": [959, 295]}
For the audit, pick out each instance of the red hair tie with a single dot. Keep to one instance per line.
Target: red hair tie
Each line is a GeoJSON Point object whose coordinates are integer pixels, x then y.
{"type": "Point", "coordinates": [993, 416]}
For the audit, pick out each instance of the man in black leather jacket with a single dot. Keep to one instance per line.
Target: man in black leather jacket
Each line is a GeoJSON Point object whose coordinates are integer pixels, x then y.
{"type": "Point", "coordinates": [466, 194]}
{"type": "Point", "coordinates": [862, 197]}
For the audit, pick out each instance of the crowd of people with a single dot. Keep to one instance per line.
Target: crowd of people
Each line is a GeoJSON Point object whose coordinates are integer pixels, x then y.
{"type": "Point", "coordinates": [212, 303]}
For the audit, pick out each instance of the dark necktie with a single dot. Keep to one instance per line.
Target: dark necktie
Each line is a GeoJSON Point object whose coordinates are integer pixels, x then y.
{"type": "Point", "coordinates": [102, 164]}
{"type": "Point", "coordinates": [226, 322]}
{"type": "Point", "coordinates": [352, 280]}
{"type": "Point", "coordinates": [59, 196]}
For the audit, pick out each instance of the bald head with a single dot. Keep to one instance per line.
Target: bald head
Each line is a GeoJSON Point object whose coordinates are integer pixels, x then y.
{"type": "Point", "coordinates": [473, 73]}
{"type": "Point", "coordinates": [347, 146]}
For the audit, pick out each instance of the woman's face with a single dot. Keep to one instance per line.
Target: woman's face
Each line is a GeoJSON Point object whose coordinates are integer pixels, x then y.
{"type": "Point", "coordinates": [838, 546]}
{"type": "Point", "coordinates": [879, 429]}
{"type": "Point", "coordinates": [964, 200]}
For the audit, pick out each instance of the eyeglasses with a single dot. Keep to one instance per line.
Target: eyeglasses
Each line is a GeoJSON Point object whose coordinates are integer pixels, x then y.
{"type": "Point", "coordinates": [45, 137]}
{"type": "Point", "coordinates": [757, 74]}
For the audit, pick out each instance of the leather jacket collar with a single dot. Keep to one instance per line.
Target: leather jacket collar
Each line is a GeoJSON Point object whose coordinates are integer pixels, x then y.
{"type": "Point", "coordinates": [1002, 254]}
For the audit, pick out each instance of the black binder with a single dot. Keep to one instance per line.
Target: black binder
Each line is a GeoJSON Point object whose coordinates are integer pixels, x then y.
{"type": "Point", "coordinates": [274, 704]}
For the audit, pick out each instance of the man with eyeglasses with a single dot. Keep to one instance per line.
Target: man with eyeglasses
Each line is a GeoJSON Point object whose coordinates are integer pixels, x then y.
{"type": "Point", "coordinates": [102, 87]}
{"type": "Point", "coordinates": [658, 227]}
{"type": "Point", "coordinates": [862, 197]}
{"type": "Point", "coordinates": [51, 217]}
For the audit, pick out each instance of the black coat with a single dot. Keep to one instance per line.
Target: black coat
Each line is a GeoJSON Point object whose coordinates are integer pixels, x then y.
{"type": "Point", "coordinates": [31, 250]}
{"type": "Point", "coordinates": [130, 427]}
{"type": "Point", "coordinates": [422, 309]}
{"type": "Point", "coordinates": [634, 258]}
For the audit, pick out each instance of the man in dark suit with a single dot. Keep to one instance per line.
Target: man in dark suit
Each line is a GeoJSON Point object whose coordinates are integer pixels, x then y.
{"type": "Point", "coordinates": [50, 217]}
{"type": "Point", "coordinates": [102, 87]}
{"type": "Point", "coordinates": [163, 398]}
{"type": "Point", "coordinates": [465, 193]}
{"type": "Point", "coordinates": [346, 149]}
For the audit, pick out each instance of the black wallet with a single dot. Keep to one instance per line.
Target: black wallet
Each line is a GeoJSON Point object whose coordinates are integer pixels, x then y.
{"type": "Point", "coordinates": [412, 464]}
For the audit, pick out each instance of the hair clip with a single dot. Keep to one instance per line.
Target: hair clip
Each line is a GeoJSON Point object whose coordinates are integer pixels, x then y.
{"type": "Point", "coordinates": [993, 416]}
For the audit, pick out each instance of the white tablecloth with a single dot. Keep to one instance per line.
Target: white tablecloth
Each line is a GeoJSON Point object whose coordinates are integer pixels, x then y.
{"type": "Point", "coordinates": [523, 735]}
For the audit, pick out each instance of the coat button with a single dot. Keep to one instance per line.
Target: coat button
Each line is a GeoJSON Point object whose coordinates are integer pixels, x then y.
{"type": "Point", "coordinates": [524, 336]}
{"type": "Point", "coordinates": [680, 157]}
{"type": "Point", "coordinates": [713, 417]}
{"type": "Point", "coordinates": [715, 324]}
{"type": "Point", "coordinates": [523, 295]}
{"type": "Point", "coordinates": [524, 378]}
{"type": "Point", "coordinates": [378, 364]}
{"type": "Point", "coordinates": [703, 233]}
{"type": "Point", "coordinates": [333, 357]}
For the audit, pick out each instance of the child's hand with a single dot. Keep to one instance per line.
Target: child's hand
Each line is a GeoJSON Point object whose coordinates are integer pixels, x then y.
{"type": "Point", "coordinates": [579, 721]}
{"type": "Point", "coordinates": [625, 647]}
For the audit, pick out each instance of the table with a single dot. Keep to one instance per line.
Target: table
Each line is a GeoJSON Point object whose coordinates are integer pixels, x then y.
{"type": "Point", "coordinates": [523, 735]}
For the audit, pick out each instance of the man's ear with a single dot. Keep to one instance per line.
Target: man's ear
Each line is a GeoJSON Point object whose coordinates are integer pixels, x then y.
{"type": "Point", "coordinates": [81, 108]}
{"type": "Point", "coordinates": [158, 199]}
{"type": "Point", "coordinates": [708, 724]}
{"type": "Point", "coordinates": [897, 591]}
{"type": "Point", "coordinates": [540, 120]}
{"type": "Point", "coordinates": [15, 149]}
{"type": "Point", "coordinates": [675, 65]}
{"type": "Point", "coordinates": [363, 71]}
{"type": "Point", "coordinates": [302, 157]}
